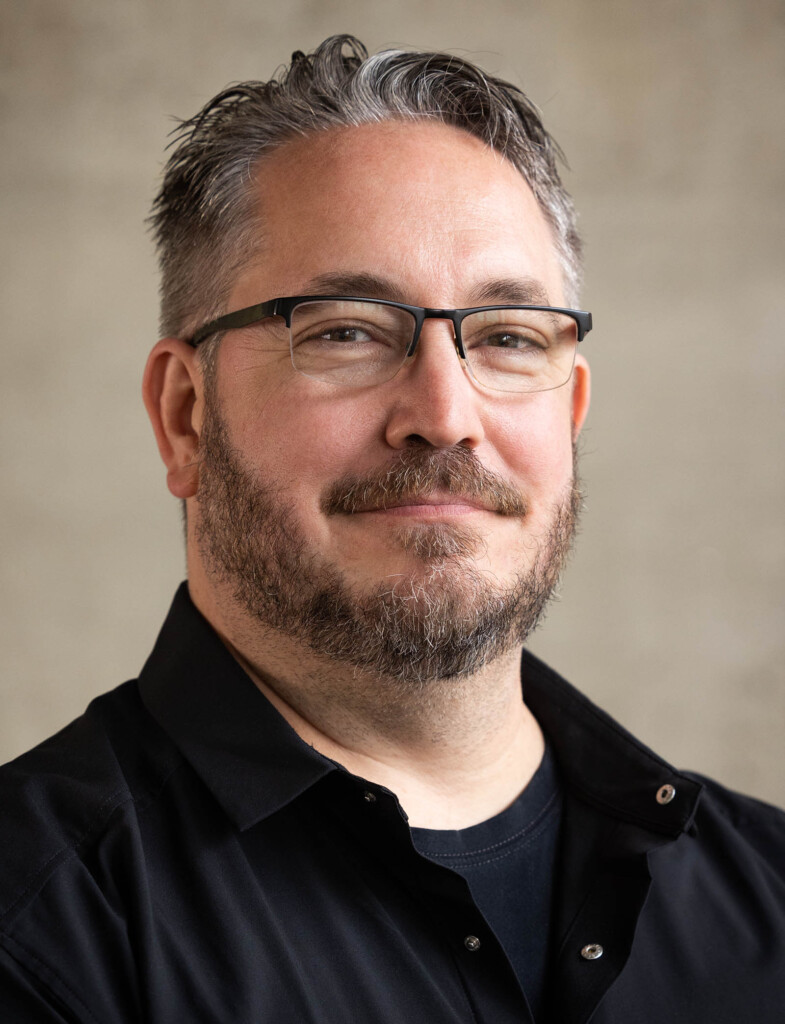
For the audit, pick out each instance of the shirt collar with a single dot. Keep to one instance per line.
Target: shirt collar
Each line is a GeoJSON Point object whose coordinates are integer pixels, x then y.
{"type": "Point", "coordinates": [254, 763]}
{"type": "Point", "coordinates": [604, 764]}
{"type": "Point", "coordinates": [248, 755]}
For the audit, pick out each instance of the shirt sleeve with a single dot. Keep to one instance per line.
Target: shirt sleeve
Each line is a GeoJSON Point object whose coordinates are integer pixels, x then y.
{"type": "Point", "coordinates": [25, 999]}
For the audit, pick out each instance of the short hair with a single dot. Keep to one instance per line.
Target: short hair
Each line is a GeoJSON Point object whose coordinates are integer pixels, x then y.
{"type": "Point", "coordinates": [205, 216]}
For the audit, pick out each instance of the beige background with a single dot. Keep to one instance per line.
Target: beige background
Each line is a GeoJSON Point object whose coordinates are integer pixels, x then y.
{"type": "Point", "coordinates": [672, 116]}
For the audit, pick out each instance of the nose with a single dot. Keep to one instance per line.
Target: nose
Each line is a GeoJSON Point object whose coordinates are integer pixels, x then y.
{"type": "Point", "coordinates": [432, 397]}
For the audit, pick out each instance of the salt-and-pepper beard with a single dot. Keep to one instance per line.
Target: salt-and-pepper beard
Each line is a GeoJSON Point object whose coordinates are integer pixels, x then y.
{"type": "Point", "coordinates": [447, 621]}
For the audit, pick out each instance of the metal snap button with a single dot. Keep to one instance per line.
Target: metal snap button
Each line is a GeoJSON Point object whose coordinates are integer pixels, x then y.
{"type": "Point", "coordinates": [369, 797]}
{"type": "Point", "coordinates": [593, 951]}
{"type": "Point", "coordinates": [665, 794]}
{"type": "Point", "coordinates": [472, 943]}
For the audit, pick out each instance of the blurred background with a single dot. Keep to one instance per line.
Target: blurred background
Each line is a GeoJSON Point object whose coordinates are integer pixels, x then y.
{"type": "Point", "coordinates": [672, 116]}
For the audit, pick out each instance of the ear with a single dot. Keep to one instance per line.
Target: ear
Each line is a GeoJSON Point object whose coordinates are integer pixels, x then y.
{"type": "Point", "coordinates": [174, 399]}
{"type": "Point", "coordinates": [581, 393]}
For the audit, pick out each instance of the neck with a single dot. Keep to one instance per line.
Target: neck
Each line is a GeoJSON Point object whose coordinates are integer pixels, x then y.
{"type": "Point", "coordinates": [454, 751]}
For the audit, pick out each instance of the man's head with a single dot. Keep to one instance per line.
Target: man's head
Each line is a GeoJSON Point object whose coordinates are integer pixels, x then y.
{"type": "Point", "coordinates": [411, 526]}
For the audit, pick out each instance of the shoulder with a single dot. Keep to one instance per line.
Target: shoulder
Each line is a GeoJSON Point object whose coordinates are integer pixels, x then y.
{"type": "Point", "coordinates": [726, 872]}
{"type": "Point", "coordinates": [73, 812]}
{"type": "Point", "coordinates": [732, 821]}
{"type": "Point", "coordinates": [62, 796]}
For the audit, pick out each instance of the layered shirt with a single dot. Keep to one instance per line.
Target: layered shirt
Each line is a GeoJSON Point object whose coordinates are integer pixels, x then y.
{"type": "Point", "coordinates": [179, 853]}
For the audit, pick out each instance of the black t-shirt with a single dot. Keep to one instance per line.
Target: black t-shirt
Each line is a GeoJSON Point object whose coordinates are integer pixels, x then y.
{"type": "Point", "coordinates": [509, 863]}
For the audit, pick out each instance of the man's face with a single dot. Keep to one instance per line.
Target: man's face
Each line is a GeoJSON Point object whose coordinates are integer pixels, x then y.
{"type": "Point", "coordinates": [427, 215]}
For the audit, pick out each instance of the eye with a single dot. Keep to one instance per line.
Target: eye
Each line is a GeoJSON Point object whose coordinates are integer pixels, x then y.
{"type": "Point", "coordinates": [341, 333]}
{"type": "Point", "coordinates": [512, 340]}
{"type": "Point", "coordinates": [514, 331]}
{"type": "Point", "coordinates": [337, 334]}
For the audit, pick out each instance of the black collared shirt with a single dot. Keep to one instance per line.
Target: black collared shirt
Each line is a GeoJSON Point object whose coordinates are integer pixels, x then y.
{"type": "Point", "coordinates": [179, 854]}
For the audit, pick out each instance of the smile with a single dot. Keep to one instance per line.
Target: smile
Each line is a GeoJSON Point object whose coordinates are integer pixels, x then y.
{"type": "Point", "coordinates": [430, 506]}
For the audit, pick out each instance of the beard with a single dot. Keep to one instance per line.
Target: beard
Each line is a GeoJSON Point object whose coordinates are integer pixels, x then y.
{"type": "Point", "coordinates": [446, 620]}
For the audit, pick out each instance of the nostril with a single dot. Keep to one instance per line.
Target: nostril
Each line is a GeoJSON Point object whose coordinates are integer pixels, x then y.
{"type": "Point", "coordinates": [418, 441]}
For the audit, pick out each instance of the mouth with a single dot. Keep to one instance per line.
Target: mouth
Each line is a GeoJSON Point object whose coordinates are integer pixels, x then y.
{"type": "Point", "coordinates": [428, 506]}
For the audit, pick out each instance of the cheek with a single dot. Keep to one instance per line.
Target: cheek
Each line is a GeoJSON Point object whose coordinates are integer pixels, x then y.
{"type": "Point", "coordinates": [301, 435]}
{"type": "Point", "coordinates": [535, 445]}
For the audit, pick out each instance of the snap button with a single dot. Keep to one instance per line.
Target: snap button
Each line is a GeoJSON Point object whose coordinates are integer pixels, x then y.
{"type": "Point", "coordinates": [593, 951]}
{"type": "Point", "coordinates": [665, 794]}
{"type": "Point", "coordinates": [472, 943]}
{"type": "Point", "coordinates": [369, 797]}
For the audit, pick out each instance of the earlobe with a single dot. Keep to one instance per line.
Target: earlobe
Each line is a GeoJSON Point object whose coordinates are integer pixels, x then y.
{"type": "Point", "coordinates": [172, 391]}
{"type": "Point", "coordinates": [581, 394]}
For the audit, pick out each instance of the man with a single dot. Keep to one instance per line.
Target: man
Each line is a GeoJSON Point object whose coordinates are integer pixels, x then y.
{"type": "Point", "coordinates": [324, 799]}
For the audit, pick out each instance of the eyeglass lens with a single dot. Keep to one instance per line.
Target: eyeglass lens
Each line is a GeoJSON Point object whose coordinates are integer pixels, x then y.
{"type": "Point", "coordinates": [363, 342]}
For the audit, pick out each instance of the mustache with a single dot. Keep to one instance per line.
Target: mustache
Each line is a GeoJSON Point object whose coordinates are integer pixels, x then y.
{"type": "Point", "coordinates": [416, 473]}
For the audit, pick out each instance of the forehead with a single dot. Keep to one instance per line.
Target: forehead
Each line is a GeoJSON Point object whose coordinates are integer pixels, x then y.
{"type": "Point", "coordinates": [426, 206]}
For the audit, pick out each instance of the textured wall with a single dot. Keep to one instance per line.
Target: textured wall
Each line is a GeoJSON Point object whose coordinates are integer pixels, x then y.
{"type": "Point", "coordinates": [671, 115]}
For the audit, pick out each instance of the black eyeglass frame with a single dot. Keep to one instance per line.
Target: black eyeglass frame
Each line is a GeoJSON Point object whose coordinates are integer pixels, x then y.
{"type": "Point", "coordinates": [284, 307]}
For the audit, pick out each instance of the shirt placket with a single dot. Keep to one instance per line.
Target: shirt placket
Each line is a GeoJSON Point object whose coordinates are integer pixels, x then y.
{"type": "Point", "coordinates": [451, 917]}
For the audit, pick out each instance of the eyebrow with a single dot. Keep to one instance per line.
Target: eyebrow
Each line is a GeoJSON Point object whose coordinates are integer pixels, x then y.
{"type": "Point", "coordinates": [525, 291]}
{"type": "Point", "coordinates": [366, 286]}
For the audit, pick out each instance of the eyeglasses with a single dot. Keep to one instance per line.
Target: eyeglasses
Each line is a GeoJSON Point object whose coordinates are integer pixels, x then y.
{"type": "Point", "coordinates": [359, 342]}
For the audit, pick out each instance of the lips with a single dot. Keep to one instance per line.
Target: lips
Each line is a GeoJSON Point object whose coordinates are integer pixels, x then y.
{"type": "Point", "coordinates": [430, 501]}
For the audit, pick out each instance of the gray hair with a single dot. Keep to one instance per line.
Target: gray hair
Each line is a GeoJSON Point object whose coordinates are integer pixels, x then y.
{"type": "Point", "coordinates": [205, 217]}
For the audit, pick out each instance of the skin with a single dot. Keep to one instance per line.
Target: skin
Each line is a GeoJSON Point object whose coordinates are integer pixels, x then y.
{"type": "Point", "coordinates": [438, 216]}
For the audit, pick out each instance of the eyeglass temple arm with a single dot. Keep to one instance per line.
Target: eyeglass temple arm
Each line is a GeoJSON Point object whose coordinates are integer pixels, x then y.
{"type": "Point", "coordinates": [242, 318]}
{"type": "Point", "coordinates": [583, 319]}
